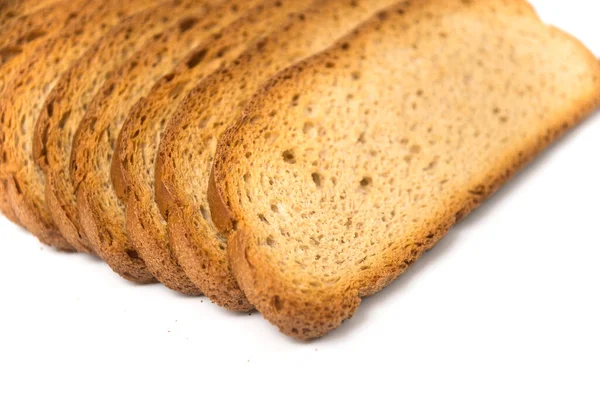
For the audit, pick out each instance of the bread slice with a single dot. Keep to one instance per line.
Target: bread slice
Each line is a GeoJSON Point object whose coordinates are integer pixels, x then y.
{"type": "Point", "coordinates": [67, 103]}
{"type": "Point", "coordinates": [101, 214]}
{"type": "Point", "coordinates": [21, 102]}
{"type": "Point", "coordinates": [202, 116]}
{"type": "Point", "coordinates": [138, 142]}
{"type": "Point", "coordinates": [345, 168]}
{"type": "Point", "coordinates": [21, 37]}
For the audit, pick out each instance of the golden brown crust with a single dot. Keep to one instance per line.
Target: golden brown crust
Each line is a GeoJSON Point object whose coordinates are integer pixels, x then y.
{"type": "Point", "coordinates": [22, 101]}
{"type": "Point", "coordinates": [185, 156]}
{"type": "Point", "coordinates": [279, 288]}
{"type": "Point", "coordinates": [134, 160]}
{"type": "Point", "coordinates": [67, 103]}
{"type": "Point", "coordinates": [28, 27]}
{"type": "Point", "coordinates": [102, 213]}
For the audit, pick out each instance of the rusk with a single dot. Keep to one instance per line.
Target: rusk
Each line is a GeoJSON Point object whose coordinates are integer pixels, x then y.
{"type": "Point", "coordinates": [101, 214]}
{"type": "Point", "coordinates": [345, 168]}
{"type": "Point", "coordinates": [135, 155]}
{"type": "Point", "coordinates": [186, 152]}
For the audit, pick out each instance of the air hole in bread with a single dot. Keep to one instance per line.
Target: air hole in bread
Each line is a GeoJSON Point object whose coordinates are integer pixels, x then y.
{"type": "Point", "coordinates": [196, 58]}
{"type": "Point", "coordinates": [366, 181]}
{"type": "Point", "coordinates": [316, 177]}
{"type": "Point", "coordinates": [361, 138]}
{"type": "Point", "coordinates": [63, 119]}
{"type": "Point", "coordinates": [222, 51]}
{"type": "Point", "coordinates": [295, 100]}
{"type": "Point", "coordinates": [108, 91]}
{"type": "Point", "coordinates": [289, 157]}
{"type": "Point", "coordinates": [415, 149]}
{"type": "Point", "coordinates": [204, 213]}
{"type": "Point", "coordinates": [187, 24]}
{"type": "Point", "coordinates": [33, 35]}
{"type": "Point", "coordinates": [308, 128]}
{"type": "Point", "coordinates": [270, 241]}
{"type": "Point", "coordinates": [132, 254]}
{"type": "Point", "coordinates": [17, 187]}
{"type": "Point", "coordinates": [50, 108]}
{"type": "Point", "coordinates": [263, 218]}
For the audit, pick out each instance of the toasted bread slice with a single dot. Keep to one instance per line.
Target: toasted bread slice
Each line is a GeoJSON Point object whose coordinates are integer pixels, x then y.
{"type": "Point", "coordinates": [138, 142]}
{"type": "Point", "coordinates": [101, 214]}
{"type": "Point", "coordinates": [19, 38]}
{"type": "Point", "coordinates": [67, 103]}
{"type": "Point", "coordinates": [201, 118]}
{"type": "Point", "coordinates": [346, 167]}
{"type": "Point", "coordinates": [21, 103]}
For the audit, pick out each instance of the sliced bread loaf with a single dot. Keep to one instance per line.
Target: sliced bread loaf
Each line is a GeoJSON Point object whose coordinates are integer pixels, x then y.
{"type": "Point", "coordinates": [134, 159]}
{"type": "Point", "coordinates": [100, 213]}
{"type": "Point", "coordinates": [21, 103]}
{"type": "Point", "coordinates": [17, 42]}
{"type": "Point", "coordinates": [188, 147]}
{"type": "Point", "coordinates": [67, 103]}
{"type": "Point", "coordinates": [345, 168]}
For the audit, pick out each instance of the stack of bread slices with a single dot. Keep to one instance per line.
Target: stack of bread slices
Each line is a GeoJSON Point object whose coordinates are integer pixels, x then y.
{"type": "Point", "coordinates": [292, 156]}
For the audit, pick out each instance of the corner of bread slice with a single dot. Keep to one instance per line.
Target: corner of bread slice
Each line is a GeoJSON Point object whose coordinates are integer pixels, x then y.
{"type": "Point", "coordinates": [106, 238]}
{"type": "Point", "coordinates": [194, 260]}
{"type": "Point", "coordinates": [61, 213]}
{"type": "Point", "coordinates": [301, 309]}
{"type": "Point", "coordinates": [5, 207]}
{"type": "Point", "coordinates": [158, 257]}
{"type": "Point", "coordinates": [26, 212]}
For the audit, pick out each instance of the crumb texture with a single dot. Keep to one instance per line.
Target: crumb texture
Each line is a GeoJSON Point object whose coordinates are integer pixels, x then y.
{"type": "Point", "coordinates": [71, 97]}
{"type": "Point", "coordinates": [187, 151]}
{"type": "Point", "coordinates": [21, 103]}
{"type": "Point", "coordinates": [346, 167]}
{"type": "Point", "coordinates": [135, 156]}
{"type": "Point", "coordinates": [100, 211]}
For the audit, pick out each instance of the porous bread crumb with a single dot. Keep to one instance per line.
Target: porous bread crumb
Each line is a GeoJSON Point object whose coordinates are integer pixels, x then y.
{"type": "Point", "coordinates": [101, 214]}
{"type": "Point", "coordinates": [134, 160]}
{"type": "Point", "coordinates": [186, 151]}
{"type": "Point", "coordinates": [21, 103]}
{"type": "Point", "coordinates": [68, 102]}
{"type": "Point", "coordinates": [345, 168]}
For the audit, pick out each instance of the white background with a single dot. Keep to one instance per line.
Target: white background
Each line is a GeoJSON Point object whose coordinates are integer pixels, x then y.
{"type": "Point", "coordinates": [505, 307]}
